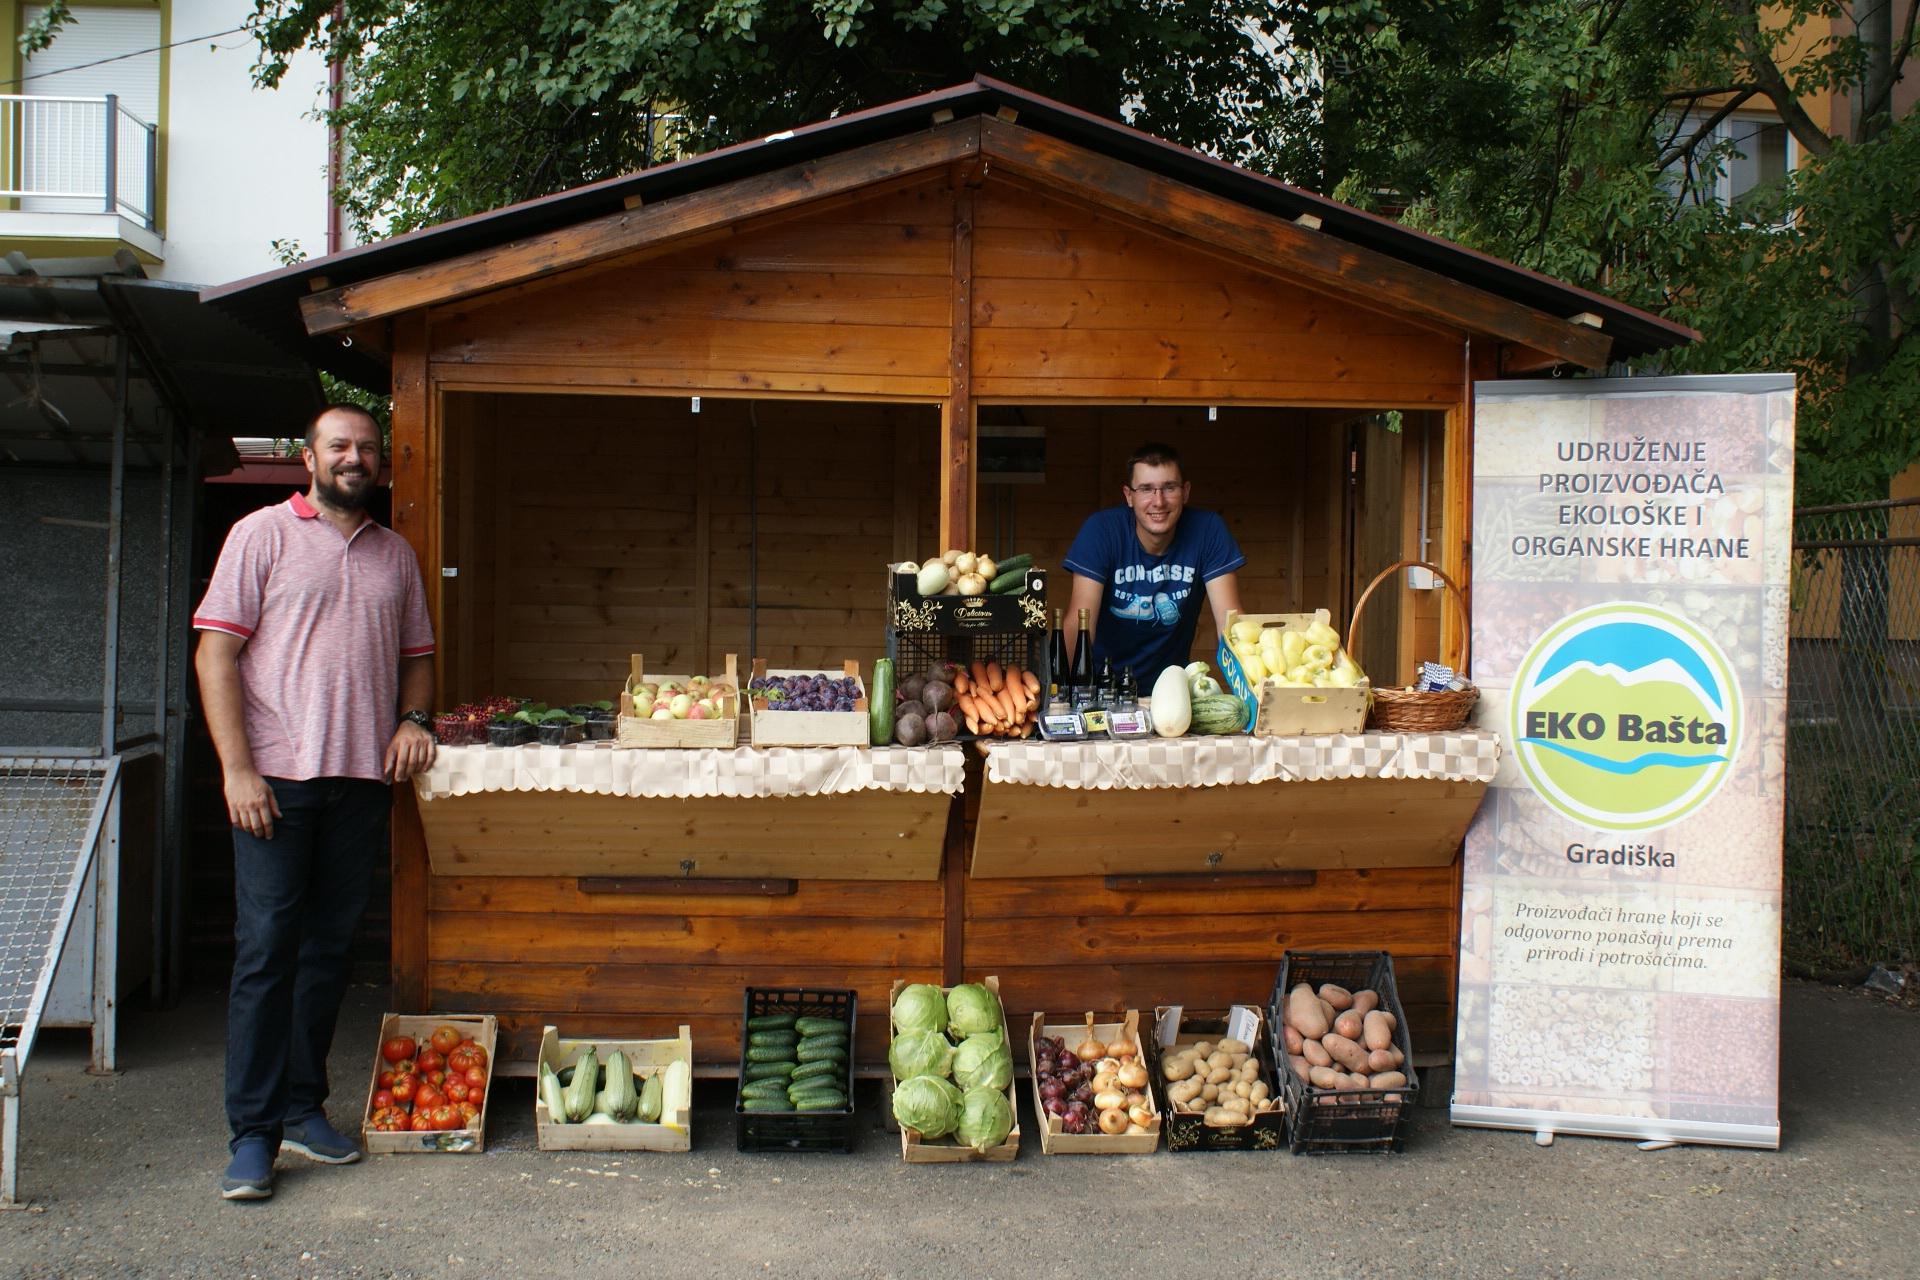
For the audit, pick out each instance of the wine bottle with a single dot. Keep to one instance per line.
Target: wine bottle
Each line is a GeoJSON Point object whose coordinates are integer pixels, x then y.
{"type": "Point", "coordinates": [1081, 683]}
{"type": "Point", "coordinates": [1057, 673]}
{"type": "Point", "coordinates": [1101, 696]}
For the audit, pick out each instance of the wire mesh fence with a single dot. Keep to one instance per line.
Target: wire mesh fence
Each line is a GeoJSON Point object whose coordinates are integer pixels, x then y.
{"type": "Point", "coordinates": [1853, 738]}
{"type": "Point", "coordinates": [46, 807]}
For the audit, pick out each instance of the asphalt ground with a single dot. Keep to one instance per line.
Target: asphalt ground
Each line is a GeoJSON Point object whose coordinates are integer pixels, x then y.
{"type": "Point", "coordinates": [118, 1175]}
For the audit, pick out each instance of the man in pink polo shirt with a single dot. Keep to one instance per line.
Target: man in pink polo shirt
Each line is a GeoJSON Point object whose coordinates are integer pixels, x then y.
{"type": "Point", "coordinates": [316, 675]}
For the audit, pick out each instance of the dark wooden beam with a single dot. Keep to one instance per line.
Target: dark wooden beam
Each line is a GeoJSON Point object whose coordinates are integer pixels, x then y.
{"type": "Point", "coordinates": [1323, 261]}
{"type": "Point", "coordinates": [696, 886]}
{"type": "Point", "coordinates": [614, 235]}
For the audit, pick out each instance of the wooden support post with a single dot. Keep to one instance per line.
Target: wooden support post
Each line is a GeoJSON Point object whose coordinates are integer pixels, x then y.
{"type": "Point", "coordinates": [1456, 518]}
{"type": "Point", "coordinates": [957, 427]}
{"type": "Point", "coordinates": [416, 517]}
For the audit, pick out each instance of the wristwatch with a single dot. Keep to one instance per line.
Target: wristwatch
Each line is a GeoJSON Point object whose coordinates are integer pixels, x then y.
{"type": "Point", "coordinates": [423, 719]}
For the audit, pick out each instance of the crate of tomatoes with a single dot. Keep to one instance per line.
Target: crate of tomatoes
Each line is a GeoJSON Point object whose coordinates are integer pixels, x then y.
{"type": "Point", "coordinates": [431, 1080]}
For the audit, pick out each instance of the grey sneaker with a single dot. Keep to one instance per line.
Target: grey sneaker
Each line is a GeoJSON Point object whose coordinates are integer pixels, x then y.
{"type": "Point", "coordinates": [249, 1174]}
{"type": "Point", "coordinates": [315, 1139]}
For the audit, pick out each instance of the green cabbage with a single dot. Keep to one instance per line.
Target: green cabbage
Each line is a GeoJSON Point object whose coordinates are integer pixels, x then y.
{"type": "Point", "coordinates": [920, 1053]}
{"type": "Point", "coordinates": [983, 1062]}
{"type": "Point", "coordinates": [985, 1119]}
{"type": "Point", "coordinates": [972, 1009]}
{"type": "Point", "coordinates": [928, 1105]}
{"type": "Point", "coordinates": [920, 1008]}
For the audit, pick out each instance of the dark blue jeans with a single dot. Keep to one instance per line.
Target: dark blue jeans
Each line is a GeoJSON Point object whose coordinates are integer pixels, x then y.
{"type": "Point", "coordinates": [298, 898]}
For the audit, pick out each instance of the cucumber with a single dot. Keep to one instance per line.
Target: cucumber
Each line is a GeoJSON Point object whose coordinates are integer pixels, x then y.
{"type": "Point", "coordinates": [770, 1053]}
{"type": "Point", "coordinates": [879, 718]}
{"type": "Point", "coordinates": [768, 1070]}
{"type": "Point", "coordinates": [786, 1037]}
{"type": "Point", "coordinates": [764, 1089]}
{"type": "Point", "coordinates": [771, 1021]}
{"type": "Point", "coordinates": [765, 1104]}
{"type": "Point", "coordinates": [821, 1102]}
{"type": "Point", "coordinates": [818, 1053]}
{"type": "Point", "coordinates": [808, 1087]}
{"type": "Point", "coordinates": [826, 1068]}
{"type": "Point", "coordinates": [822, 1040]}
{"type": "Point", "coordinates": [820, 1026]}
{"type": "Point", "coordinates": [1022, 562]}
{"type": "Point", "coordinates": [1009, 582]}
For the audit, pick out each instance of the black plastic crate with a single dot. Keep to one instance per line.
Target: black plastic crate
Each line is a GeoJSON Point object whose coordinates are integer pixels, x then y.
{"type": "Point", "coordinates": [914, 652]}
{"type": "Point", "coordinates": [796, 1130]}
{"type": "Point", "coordinates": [1325, 1121]}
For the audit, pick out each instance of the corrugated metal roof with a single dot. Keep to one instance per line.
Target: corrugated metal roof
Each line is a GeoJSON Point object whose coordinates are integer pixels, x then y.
{"type": "Point", "coordinates": [270, 302]}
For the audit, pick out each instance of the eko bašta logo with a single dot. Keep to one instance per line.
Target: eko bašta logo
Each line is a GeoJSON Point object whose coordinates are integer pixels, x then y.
{"type": "Point", "coordinates": [1625, 716]}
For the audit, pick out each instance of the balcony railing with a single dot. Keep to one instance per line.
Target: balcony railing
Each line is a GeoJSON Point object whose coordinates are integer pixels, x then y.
{"type": "Point", "coordinates": [78, 155]}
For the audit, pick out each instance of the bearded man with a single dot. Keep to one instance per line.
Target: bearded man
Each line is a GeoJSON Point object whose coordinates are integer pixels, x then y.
{"type": "Point", "coordinates": [315, 663]}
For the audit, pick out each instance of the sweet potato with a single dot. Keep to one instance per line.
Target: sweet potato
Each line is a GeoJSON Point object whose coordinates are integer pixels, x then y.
{"type": "Point", "coordinates": [1378, 1030]}
{"type": "Point", "coordinates": [1305, 1014]}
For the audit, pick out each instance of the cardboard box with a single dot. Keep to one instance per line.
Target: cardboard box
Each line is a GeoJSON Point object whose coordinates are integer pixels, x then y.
{"type": "Point", "coordinates": [482, 1029]}
{"type": "Point", "coordinates": [630, 730]}
{"type": "Point", "coordinates": [809, 728]}
{"type": "Point", "coordinates": [915, 1150]}
{"type": "Point", "coordinates": [910, 613]}
{"type": "Point", "coordinates": [1174, 1030]}
{"type": "Point", "coordinates": [1056, 1141]}
{"type": "Point", "coordinates": [1287, 711]}
{"type": "Point", "coordinates": [674, 1132]}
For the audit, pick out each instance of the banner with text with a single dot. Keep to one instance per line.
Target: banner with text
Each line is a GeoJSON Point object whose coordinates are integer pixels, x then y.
{"type": "Point", "coordinates": [1620, 921]}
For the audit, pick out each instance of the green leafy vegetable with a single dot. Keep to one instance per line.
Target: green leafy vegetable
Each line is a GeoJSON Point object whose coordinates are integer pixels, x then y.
{"type": "Point", "coordinates": [928, 1105]}
{"type": "Point", "coordinates": [920, 1008]}
{"type": "Point", "coordinates": [983, 1062]}
{"type": "Point", "coordinates": [985, 1118]}
{"type": "Point", "coordinates": [972, 1009]}
{"type": "Point", "coordinates": [920, 1053]}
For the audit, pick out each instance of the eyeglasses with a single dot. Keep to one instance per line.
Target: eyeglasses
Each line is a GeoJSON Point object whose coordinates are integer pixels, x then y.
{"type": "Point", "coordinates": [1156, 490]}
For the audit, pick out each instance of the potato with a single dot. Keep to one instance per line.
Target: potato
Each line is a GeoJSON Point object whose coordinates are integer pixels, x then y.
{"type": "Point", "coordinates": [1203, 1049]}
{"type": "Point", "coordinates": [1178, 1067]}
{"type": "Point", "coordinates": [1324, 1078]}
{"type": "Point", "coordinates": [1380, 1060]}
{"type": "Point", "coordinates": [1291, 1037]}
{"type": "Point", "coordinates": [1365, 1000]}
{"type": "Point", "coordinates": [1399, 1057]}
{"type": "Point", "coordinates": [1220, 1117]}
{"type": "Point", "coordinates": [1219, 1058]}
{"type": "Point", "coordinates": [1305, 1015]}
{"type": "Point", "coordinates": [1230, 1045]}
{"type": "Point", "coordinates": [1219, 1075]}
{"type": "Point", "coordinates": [1210, 1092]}
{"type": "Point", "coordinates": [1248, 1070]}
{"type": "Point", "coordinates": [1345, 1052]}
{"type": "Point", "coordinates": [1241, 1089]}
{"type": "Point", "coordinates": [1388, 1080]}
{"type": "Point", "coordinates": [1316, 1054]}
{"type": "Point", "coordinates": [1185, 1091]}
{"type": "Point", "coordinates": [1378, 1030]}
{"type": "Point", "coordinates": [1258, 1091]}
{"type": "Point", "coordinates": [1349, 1024]}
{"type": "Point", "coordinates": [1339, 997]}
{"type": "Point", "coordinates": [1241, 1105]}
{"type": "Point", "coordinates": [1299, 1064]}
{"type": "Point", "coordinates": [1328, 1010]}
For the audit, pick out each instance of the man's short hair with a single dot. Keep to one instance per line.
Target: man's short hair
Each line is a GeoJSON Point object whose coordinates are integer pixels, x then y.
{"type": "Point", "coordinates": [1154, 454]}
{"type": "Point", "coordinates": [342, 406]}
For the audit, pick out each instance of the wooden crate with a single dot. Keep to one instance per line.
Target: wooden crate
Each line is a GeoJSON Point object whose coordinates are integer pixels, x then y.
{"type": "Point", "coordinates": [483, 1029]}
{"type": "Point", "coordinates": [1285, 711]}
{"type": "Point", "coordinates": [1189, 1131]}
{"type": "Point", "coordinates": [809, 728]}
{"type": "Point", "coordinates": [946, 1151]}
{"type": "Point", "coordinates": [630, 730]}
{"type": "Point", "coordinates": [1056, 1141]}
{"type": "Point", "coordinates": [673, 1133]}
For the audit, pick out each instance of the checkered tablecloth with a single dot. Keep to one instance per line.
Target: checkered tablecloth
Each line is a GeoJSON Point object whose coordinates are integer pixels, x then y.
{"type": "Point", "coordinates": [729, 771]}
{"type": "Point", "coordinates": [1468, 755]}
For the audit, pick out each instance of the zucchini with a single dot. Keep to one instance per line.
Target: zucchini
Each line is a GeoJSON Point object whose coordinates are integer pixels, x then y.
{"type": "Point", "coordinates": [827, 1068]}
{"type": "Point", "coordinates": [771, 1021]}
{"type": "Point", "coordinates": [580, 1094]}
{"type": "Point", "coordinates": [820, 1026]}
{"type": "Point", "coordinates": [767, 1070]}
{"type": "Point", "coordinates": [553, 1095]}
{"type": "Point", "coordinates": [817, 1053]}
{"type": "Point", "coordinates": [651, 1093]}
{"type": "Point", "coordinates": [785, 1037]}
{"type": "Point", "coordinates": [770, 1053]}
{"type": "Point", "coordinates": [879, 714]}
{"type": "Point", "coordinates": [622, 1099]}
{"type": "Point", "coordinates": [765, 1104]}
{"type": "Point", "coordinates": [1009, 582]}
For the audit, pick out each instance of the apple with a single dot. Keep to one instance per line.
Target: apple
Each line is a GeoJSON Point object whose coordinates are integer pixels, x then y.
{"type": "Point", "coordinates": [661, 713]}
{"type": "Point", "coordinates": [680, 705]}
{"type": "Point", "coordinates": [698, 686]}
{"type": "Point", "coordinates": [699, 712]}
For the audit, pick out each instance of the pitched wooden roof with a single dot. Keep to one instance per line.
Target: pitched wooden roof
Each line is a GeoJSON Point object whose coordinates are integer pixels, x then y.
{"type": "Point", "coordinates": [1139, 176]}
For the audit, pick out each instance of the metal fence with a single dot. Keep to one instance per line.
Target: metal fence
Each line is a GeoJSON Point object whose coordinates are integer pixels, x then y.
{"type": "Point", "coordinates": [78, 155]}
{"type": "Point", "coordinates": [1853, 736]}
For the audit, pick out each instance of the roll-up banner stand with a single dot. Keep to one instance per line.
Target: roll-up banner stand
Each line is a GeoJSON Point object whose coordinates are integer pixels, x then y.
{"type": "Point", "coordinates": [1620, 917]}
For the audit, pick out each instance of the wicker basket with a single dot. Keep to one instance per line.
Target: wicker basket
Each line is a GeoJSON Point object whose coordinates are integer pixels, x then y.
{"type": "Point", "coordinates": [1397, 710]}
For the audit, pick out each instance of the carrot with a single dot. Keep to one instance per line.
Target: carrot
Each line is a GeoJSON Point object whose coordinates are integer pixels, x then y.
{"type": "Point", "coordinates": [966, 703]}
{"type": "Point", "coordinates": [979, 673]}
{"type": "Point", "coordinates": [960, 682]}
{"type": "Point", "coordinates": [1012, 676]}
{"type": "Point", "coordinates": [996, 679]}
{"type": "Point", "coordinates": [973, 726]}
{"type": "Point", "coordinates": [1032, 682]}
{"type": "Point", "coordinates": [1012, 708]}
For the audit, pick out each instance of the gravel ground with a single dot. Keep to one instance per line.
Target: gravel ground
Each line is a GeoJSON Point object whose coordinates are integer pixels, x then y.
{"type": "Point", "coordinates": [119, 1175]}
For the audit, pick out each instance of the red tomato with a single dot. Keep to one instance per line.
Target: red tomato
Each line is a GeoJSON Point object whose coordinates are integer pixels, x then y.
{"type": "Point", "coordinates": [446, 1039]}
{"type": "Point", "coordinates": [384, 1080]}
{"type": "Point", "coordinates": [438, 1079]}
{"type": "Point", "coordinates": [462, 1059]}
{"type": "Point", "coordinates": [403, 1088]}
{"type": "Point", "coordinates": [390, 1120]}
{"type": "Point", "coordinates": [469, 1112]}
{"type": "Point", "coordinates": [398, 1049]}
{"type": "Point", "coordinates": [422, 1121]}
{"type": "Point", "coordinates": [476, 1093]}
{"type": "Point", "coordinates": [476, 1075]}
{"type": "Point", "coordinates": [427, 1097]}
{"type": "Point", "coordinates": [448, 1117]}
{"type": "Point", "coordinates": [405, 1067]}
{"type": "Point", "coordinates": [432, 1060]}
{"type": "Point", "coordinates": [383, 1098]}
{"type": "Point", "coordinates": [456, 1091]}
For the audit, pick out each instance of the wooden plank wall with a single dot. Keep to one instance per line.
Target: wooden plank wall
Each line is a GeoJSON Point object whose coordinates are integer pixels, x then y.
{"type": "Point", "coordinates": [537, 950]}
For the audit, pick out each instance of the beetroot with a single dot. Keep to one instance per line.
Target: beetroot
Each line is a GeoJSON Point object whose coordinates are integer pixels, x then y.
{"type": "Point", "coordinates": [942, 727]}
{"type": "Point", "coordinates": [937, 695]}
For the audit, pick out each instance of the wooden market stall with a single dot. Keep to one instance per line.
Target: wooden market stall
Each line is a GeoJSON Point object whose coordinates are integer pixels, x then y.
{"type": "Point", "coordinates": [693, 412]}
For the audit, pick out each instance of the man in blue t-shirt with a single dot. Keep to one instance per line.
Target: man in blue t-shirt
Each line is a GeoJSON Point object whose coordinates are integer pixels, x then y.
{"type": "Point", "coordinates": [1139, 570]}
